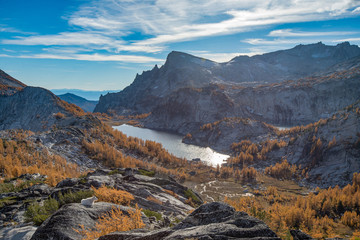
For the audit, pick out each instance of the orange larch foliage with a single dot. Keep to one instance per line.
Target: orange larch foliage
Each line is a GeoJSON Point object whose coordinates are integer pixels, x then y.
{"type": "Point", "coordinates": [155, 200]}
{"type": "Point", "coordinates": [282, 170]}
{"type": "Point", "coordinates": [20, 157]}
{"type": "Point", "coordinates": [106, 194]}
{"type": "Point", "coordinates": [319, 214]}
{"type": "Point", "coordinates": [114, 221]}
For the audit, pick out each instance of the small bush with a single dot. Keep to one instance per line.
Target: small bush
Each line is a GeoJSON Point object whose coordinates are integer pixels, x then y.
{"type": "Point", "coordinates": [76, 197]}
{"type": "Point", "coordinates": [116, 171]}
{"type": "Point", "coordinates": [7, 201]}
{"type": "Point", "coordinates": [18, 186]}
{"type": "Point", "coordinates": [150, 213]}
{"type": "Point", "coordinates": [190, 194]}
{"type": "Point", "coordinates": [147, 173]}
{"type": "Point", "coordinates": [38, 213]}
{"type": "Point", "coordinates": [59, 115]}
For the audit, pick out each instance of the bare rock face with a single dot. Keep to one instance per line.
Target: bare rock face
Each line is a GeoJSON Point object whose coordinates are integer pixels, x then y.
{"type": "Point", "coordinates": [210, 221]}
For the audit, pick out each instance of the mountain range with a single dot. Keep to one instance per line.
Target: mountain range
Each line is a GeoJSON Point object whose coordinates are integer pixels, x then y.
{"type": "Point", "coordinates": [87, 94]}
{"type": "Point", "coordinates": [287, 87]}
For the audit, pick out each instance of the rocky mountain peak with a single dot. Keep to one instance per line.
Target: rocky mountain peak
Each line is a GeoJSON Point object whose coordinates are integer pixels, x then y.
{"type": "Point", "coordinates": [180, 59]}
{"type": "Point", "coordinates": [6, 79]}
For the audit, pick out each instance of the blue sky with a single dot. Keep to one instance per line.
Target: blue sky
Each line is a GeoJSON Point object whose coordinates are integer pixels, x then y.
{"type": "Point", "coordinates": [101, 45]}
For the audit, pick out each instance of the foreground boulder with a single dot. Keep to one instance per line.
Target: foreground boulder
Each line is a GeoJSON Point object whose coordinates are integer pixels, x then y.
{"type": "Point", "coordinates": [17, 233]}
{"type": "Point", "coordinates": [210, 221]}
{"type": "Point", "coordinates": [64, 223]}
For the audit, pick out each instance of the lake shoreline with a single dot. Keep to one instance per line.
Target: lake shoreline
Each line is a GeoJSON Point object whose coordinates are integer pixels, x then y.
{"type": "Point", "coordinates": [172, 142]}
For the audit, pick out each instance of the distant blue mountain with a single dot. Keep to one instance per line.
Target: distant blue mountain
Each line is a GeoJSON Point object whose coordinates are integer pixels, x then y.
{"type": "Point", "coordinates": [89, 95]}
{"type": "Point", "coordinates": [86, 105]}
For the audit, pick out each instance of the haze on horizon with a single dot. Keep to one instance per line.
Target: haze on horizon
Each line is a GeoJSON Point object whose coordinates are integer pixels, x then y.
{"type": "Point", "coordinates": [101, 45]}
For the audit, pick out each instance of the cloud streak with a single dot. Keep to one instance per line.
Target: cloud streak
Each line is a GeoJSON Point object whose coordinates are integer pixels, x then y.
{"type": "Point", "coordinates": [292, 33]}
{"type": "Point", "coordinates": [90, 57]}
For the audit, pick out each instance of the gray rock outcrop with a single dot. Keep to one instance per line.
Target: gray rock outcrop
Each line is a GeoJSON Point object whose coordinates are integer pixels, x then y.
{"type": "Point", "coordinates": [210, 221]}
{"type": "Point", "coordinates": [17, 233]}
{"type": "Point", "coordinates": [63, 223]}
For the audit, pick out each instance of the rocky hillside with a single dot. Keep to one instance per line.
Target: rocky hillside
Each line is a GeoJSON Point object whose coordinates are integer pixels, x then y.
{"type": "Point", "coordinates": [86, 105]}
{"type": "Point", "coordinates": [182, 70]}
{"type": "Point", "coordinates": [165, 198]}
{"type": "Point", "coordinates": [329, 149]}
{"type": "Point", "coordinates": [35, 109]}
{"type": "Point", "coordinates": [8, 84]}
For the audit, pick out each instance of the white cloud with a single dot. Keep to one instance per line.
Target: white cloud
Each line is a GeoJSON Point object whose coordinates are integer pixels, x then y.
{"type": "Point", "coordinates": [222, 57]}
{"type": "Point", "coordinates": [64, 38]}
{"type": "Point", "coordinates": [292, 33]}
{"type": "Point", "coordinates": [348, 40]}
{"type": "Point", "coordinates": [281, 42]}
{"type": "Point", "coordinates": [4, 28]}
{"type": "Point", "coordinates": [356, 10]}
{"type": "Point", "coordinates": [91, 57]}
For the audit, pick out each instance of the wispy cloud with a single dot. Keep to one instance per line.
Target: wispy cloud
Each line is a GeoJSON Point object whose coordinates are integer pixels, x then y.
{"type": "Point", "coordinates": [90, 57]}
{"type": "Point", "coordinates": [222, 57]}
{"type": "Point", "coordinates": [348, 40]}
{"type": "Point", "coordinates": [292, 33]}
{"type": "Point", "coordinates": [64, 38]}
{"type": "Point", "coordinates": [4, 28]}
{"type": "Point", "coordinates": [282, 42]}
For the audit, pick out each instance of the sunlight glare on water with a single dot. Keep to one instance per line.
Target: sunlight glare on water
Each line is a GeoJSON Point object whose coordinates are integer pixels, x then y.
{"type": "Point", "coordinates": [172, 143]}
